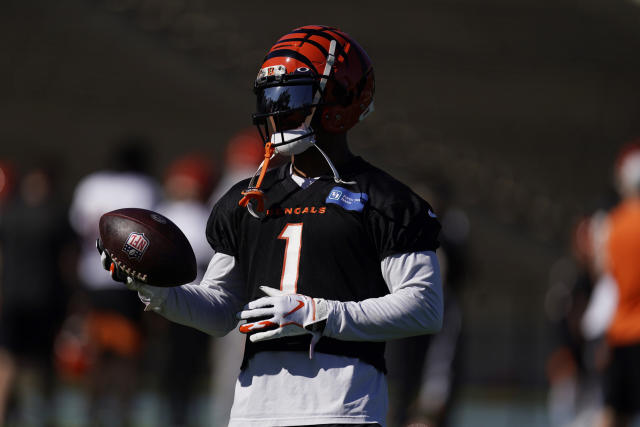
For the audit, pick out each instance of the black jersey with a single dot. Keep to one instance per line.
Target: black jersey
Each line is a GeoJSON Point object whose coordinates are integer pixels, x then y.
{"type": "Point", "coordinates": [323, 241]}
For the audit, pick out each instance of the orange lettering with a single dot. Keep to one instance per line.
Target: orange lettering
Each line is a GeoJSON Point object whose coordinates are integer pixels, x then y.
{"type": "Point", "coordinates": [288, 211]}
{"type": "Point", "coordinates": [322, 210]}
{"type": "Point", "coordinates": [313, 209]}
{"type": "Point", "coordinates": [297, 211]}
{"type": "Point", "coordinates": [305, 210]}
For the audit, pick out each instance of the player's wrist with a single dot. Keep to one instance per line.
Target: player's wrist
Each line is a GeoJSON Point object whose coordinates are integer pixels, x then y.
{"type": "Point", "coordinates": [330, 310]}
{"type": "Point", "coordinates": [319, 322]}
{"type": "Point", "coordinates": [152, 296]}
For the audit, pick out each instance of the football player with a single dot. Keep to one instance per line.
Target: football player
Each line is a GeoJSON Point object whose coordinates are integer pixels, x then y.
{"type": "Point", "coordinates": [619, 238]}
{"type": "Point", "coordinates": [324, 258]}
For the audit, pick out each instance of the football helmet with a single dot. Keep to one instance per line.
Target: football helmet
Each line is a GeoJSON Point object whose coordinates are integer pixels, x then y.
{"type": "Point", "coordinates": [313, 78]}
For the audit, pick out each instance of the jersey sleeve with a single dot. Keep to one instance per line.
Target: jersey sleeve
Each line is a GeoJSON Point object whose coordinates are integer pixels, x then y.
{"type": "Point", "coordinates": [403, 225]}
{"type": "Point", "coordinates": [209, 306]}
{"type": "Point", "coordinates": [415, 305]}
{"type": "Point", "coordinates": [222, 226]}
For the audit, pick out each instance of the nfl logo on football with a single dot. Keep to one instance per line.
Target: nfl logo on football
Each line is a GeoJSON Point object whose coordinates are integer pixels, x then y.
{"type": "Point", "coordinates": [136, 245]}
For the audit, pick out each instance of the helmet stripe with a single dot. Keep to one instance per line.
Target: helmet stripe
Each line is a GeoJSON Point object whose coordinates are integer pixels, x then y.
{"type": "Point", "coordinates": [305, 40]}
{"type": "Point", "coordinates": [325, 34]}
{"type": "Point", "coordinates": [288, 53]}
{"type": "Point", "coordinates": [363, 65]}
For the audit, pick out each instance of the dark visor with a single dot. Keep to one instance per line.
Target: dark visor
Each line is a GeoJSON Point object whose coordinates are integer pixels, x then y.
{"type": "Point", "coordinates": [284, 98]}
{"type": "Point", "coordinates": [289, 105]}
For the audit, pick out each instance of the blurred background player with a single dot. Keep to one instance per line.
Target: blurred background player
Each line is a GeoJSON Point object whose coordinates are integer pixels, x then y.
{"type": "Point", "coordinates": [36, 243]}
{"type": "Point", "coordinates": [113, 321]}
{"type": "Point", "coordinates": [574, 366]}
{"type": "Point", "coordinates": [424, 370]}
{"type": "Point", "coordinates": [6, 362]}
{"type": "Point", "coordinates": [622, 246]}
{"type": "Point", "coordinates": [243, 152]}
{"type": "Point", "coordinates": [187, 184]}
{"type": "Point", "coordinates": [6, 181]}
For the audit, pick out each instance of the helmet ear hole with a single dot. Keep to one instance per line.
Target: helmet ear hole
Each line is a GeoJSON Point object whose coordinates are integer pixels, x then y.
{"type": "Point", "coordinates": [336, 119]}
{"type": "Point", "coordinates": [340, 95]}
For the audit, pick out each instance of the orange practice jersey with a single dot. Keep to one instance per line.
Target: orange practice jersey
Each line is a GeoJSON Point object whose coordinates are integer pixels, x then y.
{"type": "Point", "coordinates": [624, 264]}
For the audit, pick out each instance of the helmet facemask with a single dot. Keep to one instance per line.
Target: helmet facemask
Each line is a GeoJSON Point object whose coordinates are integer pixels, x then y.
{"type": "Point", "coordinates": [285, 112]}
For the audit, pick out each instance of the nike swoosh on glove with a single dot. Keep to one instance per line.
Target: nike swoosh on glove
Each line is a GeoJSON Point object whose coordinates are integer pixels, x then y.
{"type": "Point", "coordinates": [283, 315]}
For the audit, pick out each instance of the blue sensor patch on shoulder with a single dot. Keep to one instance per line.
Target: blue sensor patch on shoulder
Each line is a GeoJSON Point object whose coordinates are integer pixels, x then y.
{"type": "Point", "coordinates": [346, 199]}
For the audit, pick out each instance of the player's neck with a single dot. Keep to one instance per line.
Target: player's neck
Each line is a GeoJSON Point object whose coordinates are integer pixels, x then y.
{"type": "Point", "coordinates": [312, 163]}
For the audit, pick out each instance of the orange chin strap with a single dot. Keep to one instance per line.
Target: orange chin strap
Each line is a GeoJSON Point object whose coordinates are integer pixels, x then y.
{"type": "Point", "coordinates": [254, 192]}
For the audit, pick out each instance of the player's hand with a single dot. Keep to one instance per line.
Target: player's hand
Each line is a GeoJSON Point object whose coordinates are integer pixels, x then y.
{"type": "Point", "coordinates": [117, 274]}
{"type": "Point", "coordinates": [282, 315]}
{"type": "Point", "coordinates": [151, 296]}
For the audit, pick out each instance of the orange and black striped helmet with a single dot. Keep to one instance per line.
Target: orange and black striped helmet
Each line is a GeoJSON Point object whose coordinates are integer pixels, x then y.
{"type": "Point", "coordinates": [315, 74]}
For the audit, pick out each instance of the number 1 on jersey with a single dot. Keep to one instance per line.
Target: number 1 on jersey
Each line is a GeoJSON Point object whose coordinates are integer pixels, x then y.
{"type": "Point", "coordinates": [292, 233]}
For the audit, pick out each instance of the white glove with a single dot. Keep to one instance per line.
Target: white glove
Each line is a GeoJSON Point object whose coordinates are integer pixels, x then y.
{"type": "Point", "coordinates": [282, 315]}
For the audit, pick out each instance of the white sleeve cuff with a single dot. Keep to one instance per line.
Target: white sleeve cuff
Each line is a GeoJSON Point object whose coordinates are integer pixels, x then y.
{"type": "Point", "coordinates": [153, 297]}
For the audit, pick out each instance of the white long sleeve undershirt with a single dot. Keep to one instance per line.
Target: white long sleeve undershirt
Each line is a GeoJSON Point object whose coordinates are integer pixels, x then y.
{"type": "Point", "coordinates": [414, 305]}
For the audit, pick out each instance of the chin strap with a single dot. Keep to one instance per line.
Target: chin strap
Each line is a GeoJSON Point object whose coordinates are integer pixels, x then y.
{"type": "Point", "coordinates": [336, 175]}
{"type": "Point", "coordinates": [254, 192]}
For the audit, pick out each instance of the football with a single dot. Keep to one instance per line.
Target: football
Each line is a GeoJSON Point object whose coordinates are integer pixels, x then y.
{"type": "Point", "coordinates": [148, 247]}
